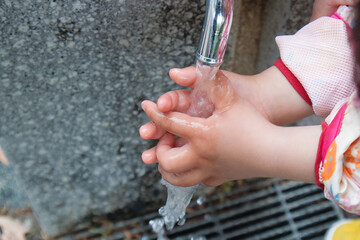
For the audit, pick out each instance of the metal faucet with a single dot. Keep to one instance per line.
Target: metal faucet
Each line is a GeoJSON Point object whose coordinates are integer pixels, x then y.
{"type": "Point", "coordinates": [215, 31]}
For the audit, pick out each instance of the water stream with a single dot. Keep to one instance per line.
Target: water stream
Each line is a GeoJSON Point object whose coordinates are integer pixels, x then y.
{"type": "Point", "coordinates": [179, 197]}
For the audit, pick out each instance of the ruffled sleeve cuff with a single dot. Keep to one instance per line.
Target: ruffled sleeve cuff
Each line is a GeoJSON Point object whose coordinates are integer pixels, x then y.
{"type": "Point", "coordinates": [337, 166]}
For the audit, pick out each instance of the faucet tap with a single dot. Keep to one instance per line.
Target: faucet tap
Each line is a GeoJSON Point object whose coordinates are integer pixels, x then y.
{"type": "Point", "coordinates": [215, 31]}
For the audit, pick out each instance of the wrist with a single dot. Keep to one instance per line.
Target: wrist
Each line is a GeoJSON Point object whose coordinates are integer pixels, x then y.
{"type": "Point", "coordinates": [247, 87]}
{"type": "Point", "coordinates": [281, 102]}
{"type": "Point", "coordinates": [298, 149]}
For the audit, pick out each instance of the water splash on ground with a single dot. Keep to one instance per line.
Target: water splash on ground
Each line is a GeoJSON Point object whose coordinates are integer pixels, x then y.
{"type": "Point", "coordinates": [157, 225]}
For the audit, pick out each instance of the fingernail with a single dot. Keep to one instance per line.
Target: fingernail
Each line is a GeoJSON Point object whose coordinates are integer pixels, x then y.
{"type": "Point", "coordinates": [143, 105]}
{"type": "Point", "coordinates": [144, 131]}
{"type": "Point", "coordinates": [143, 158]}
{"type": "Point", "coordinates": [146, 155]}
{"type": "Point", "coordinates": [174, 70]}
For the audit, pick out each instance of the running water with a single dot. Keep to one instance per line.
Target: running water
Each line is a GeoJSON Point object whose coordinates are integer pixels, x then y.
{"type": "Point", "coordinates": [179, 197]}
{"type": "Point", "coordinates": [201, 106]}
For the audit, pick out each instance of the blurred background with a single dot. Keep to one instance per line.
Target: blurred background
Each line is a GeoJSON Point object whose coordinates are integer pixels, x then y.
{"type": "Point", "coordinates": [72, 77]}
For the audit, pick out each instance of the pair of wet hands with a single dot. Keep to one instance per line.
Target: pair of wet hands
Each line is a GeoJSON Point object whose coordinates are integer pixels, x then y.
{"type": "Point", "coordinates": [193, 150]}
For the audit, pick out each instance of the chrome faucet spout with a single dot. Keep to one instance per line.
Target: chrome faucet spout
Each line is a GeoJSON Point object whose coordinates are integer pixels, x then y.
{"type": "Point", "coordinates": [215, 31]}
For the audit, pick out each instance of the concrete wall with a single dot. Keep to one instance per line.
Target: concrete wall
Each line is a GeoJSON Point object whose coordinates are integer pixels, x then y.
{"type": "Point", "coordinates": [73, 75]}
{"type": "Point", "coordinates": [279, 18]}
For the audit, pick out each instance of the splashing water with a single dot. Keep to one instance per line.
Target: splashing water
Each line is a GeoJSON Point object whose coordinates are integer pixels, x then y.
{"type": "Point", "coordinates": [195, 237]}
{"type": "Point", "coordinates": [201, 200]}
{"type": "Point", "coordinates": [157, 225]}
{"type": "Point", "coordinates": [177, 200]}
{"type": "Point", "coordinates": [179, 197]}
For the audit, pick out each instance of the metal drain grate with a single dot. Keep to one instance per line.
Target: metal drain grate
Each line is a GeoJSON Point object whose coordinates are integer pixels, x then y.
{"type": "Point", "coordinates": [260, 209]}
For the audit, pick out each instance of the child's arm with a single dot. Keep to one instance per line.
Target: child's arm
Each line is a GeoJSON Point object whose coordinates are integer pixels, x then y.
{"type": "Point", "coordinates": [269, 92]}
{"type": "Point", "coordinates": [235, 143]}
{"type": "Point", "coordinates": [307, 66]}
{"type": "Point", "coordinates": [318, 60]}
{"type": "Point", "coordinates": [272, 95]}
{"type": "Point", "coordinates": [328, 7]}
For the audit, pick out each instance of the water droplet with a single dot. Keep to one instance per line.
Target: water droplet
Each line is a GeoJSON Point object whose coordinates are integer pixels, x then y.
{"type": "Point", "coordinates": [181, 221]}
{"type": "Point", "coordinates": [200, 201]}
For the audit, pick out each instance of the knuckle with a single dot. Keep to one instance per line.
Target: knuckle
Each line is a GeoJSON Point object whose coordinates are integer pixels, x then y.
{"type": "Point", "coordinates": [211, 182]}
{"type": "Point", "coordinates": [168, 123]}
{"type": "Point", "coordinates": [176, 181]}
{"type": "Point", "coordinates": [167, 167]}
{"type": "Point", "coordinates": [175, 97]}
{"type": "Point", "coordinates": [185, 182]}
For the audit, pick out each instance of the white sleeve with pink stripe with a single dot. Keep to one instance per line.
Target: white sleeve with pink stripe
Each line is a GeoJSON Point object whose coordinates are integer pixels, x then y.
{"type": "Point", "coordinates": [320, 56]}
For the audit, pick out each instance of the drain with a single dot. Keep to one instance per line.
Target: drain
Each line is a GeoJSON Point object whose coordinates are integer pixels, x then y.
{"type": "Point", "coordinates": [260, 209]}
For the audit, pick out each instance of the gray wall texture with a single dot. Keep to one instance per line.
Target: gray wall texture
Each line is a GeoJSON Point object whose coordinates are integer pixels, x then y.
{"type": "Point", "coordinates": [72, 77]}
{"type": "Point", "coordinates": [280, 17]}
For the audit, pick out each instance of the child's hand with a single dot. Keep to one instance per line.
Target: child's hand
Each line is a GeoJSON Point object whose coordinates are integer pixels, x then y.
{"type": "Point", "coordinates": [328, 7]}
{"type": "Point", "coordinates": [209, 150]}
{"type": "Point", "coordinates": [269, 92]}
{"type": "Point", "coordinates": [227, 144]}
{"type": "Point", "coordinates": [233, 144]}
{"type": "Point", "coordinates": [177, 101]}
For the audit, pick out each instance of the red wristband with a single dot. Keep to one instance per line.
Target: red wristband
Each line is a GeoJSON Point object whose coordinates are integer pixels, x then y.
{"type": "Point", "coordinates": [293, 80]}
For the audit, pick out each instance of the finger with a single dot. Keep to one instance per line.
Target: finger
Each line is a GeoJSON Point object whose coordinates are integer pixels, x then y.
{"type": "Point", "coordinates": [214, 182]}
{"type": "Point", "coordinates": [174, 159]}
{"type": "Point", "coordinates": [177, 101]}
{"type": "Point", "coordinates": [179, 124]}
{"type": "Point", "coordinates": [179, 142]}
{"type": "Point", "coordinates": [149, 156]}
{"type": "Point", "coordinates": [151, 131]}
{"type": "Point", "coordinates": [184, 179]}
{"type": "Point", "coordinates": [184, 77]}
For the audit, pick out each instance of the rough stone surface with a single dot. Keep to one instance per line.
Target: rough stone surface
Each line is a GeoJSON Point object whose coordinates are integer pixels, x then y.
{"type": "Point", "coordinates": [279, 18]}
{"type": "Point", "coordinates": [11, 194]}
{"type": "Point", "coordinates": [248, 27]}
{"type": "Point", "coordinates": [72, 77]}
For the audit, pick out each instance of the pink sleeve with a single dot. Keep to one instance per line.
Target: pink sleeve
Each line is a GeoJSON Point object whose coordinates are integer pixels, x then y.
{"type": "Point", "coordinates": [320, 58]}
{"type": "Point", "coordinates": [329, 133]}
{"type": "Point", "coordinates": [337, 167]}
